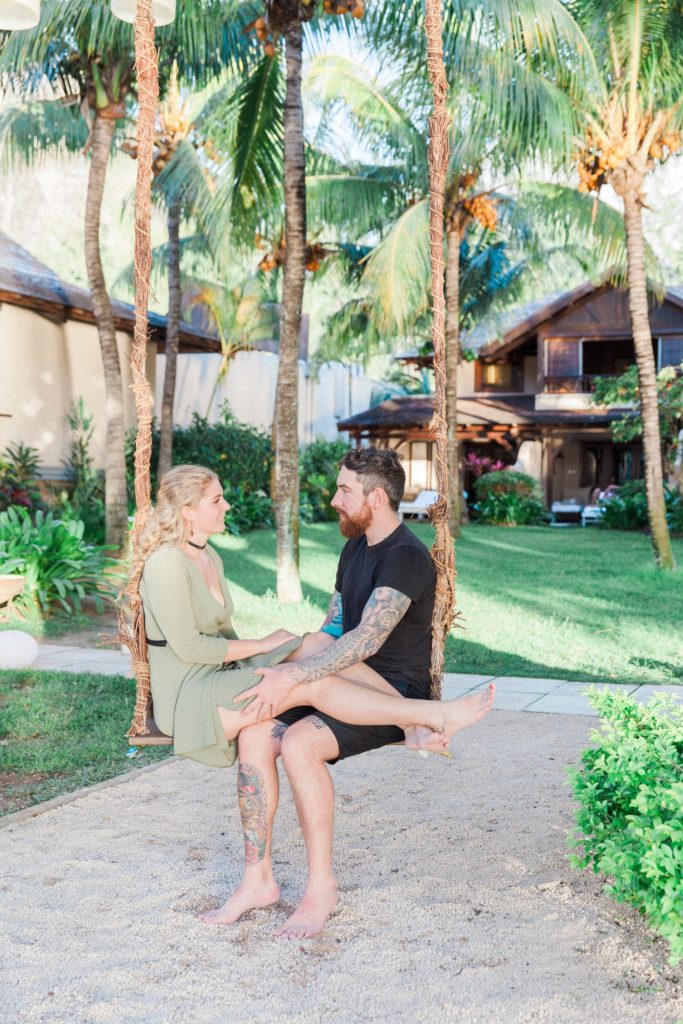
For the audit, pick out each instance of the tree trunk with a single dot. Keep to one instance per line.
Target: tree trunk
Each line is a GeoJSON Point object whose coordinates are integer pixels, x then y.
{"type": "Point", "coordinates": [172, 339]}
{"type": "Point", "coordinates": [647, 380]}
{"type": "Point", "coordinates": [286, 417]}
{"type": "Point", "coordinates": [116, 500]}
{"type": "Point", "coordinates": [443, 551]}
{"type": "Point", "coordinates": [453, 239]}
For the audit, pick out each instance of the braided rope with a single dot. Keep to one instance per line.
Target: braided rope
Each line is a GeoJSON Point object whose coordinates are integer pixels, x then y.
{"type": "Point", "coordinates": [443, 552]}
{"type": "Point", "coordinates": [132, 633]}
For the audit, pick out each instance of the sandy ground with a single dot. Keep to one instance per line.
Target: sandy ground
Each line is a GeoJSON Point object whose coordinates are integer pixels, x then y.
{"type": "Point", "coordinates": [457, 902]}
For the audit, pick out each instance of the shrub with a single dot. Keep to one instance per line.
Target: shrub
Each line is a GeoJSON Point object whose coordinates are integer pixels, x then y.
{"type": "Point", "coordinates": [239, 454]}
{"type": "Point", "coordinates": [508, 498]}
{"type": "Point", "coordinates": [318, 470]}
{"type": "Point", "coordinates": [84, 498]}
{"type": "Point", "coordinates": [18, 470]}
{"type": "Point", "coordinates": [627, 509]}
{"type": "Point", "coordinates": [630, 794]}
{"type": "Point", "coordinates": [248, 510]}
{"type": "Point", "coordinates": [60, 567]}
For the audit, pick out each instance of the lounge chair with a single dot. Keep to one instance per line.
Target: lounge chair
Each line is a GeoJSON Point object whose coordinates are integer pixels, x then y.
{"type": "Point", "coordinates": [418, 507]}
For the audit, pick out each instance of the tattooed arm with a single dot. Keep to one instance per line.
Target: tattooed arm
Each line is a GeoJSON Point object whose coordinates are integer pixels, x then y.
{"type": "Point", "coordinates": [385, 608]}
{"type": "Point", "coordinates": [334, 609]}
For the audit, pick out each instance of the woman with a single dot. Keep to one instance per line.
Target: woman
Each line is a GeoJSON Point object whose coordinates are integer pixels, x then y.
{"type": "Point", "coordinates": [198, 665]}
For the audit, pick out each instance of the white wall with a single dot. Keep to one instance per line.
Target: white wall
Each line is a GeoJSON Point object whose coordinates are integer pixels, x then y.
{"type": "Point", "coordinates": [44, 368]}
{"type": "Point", "coordinates": [249, 388]}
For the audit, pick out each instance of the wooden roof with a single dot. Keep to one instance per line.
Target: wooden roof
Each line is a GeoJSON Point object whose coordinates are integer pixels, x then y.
{"type": "Point", "coordinates": [26, 281]}
{"type": "Point", "coordinates": [414, 412]}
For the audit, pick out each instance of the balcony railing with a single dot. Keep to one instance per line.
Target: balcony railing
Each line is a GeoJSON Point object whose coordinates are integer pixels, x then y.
{"type": "Point", "coordinates": [583, 384]}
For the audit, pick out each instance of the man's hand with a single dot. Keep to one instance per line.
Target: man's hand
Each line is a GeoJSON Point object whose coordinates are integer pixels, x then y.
{"type": "Point", "coordinates": [273, 689]}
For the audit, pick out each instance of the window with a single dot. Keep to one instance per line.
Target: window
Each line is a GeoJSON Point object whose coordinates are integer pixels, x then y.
{"type": "Point", "coordinates": [563, 357]}
{"type": "Point", "coordinates": [670, 351]}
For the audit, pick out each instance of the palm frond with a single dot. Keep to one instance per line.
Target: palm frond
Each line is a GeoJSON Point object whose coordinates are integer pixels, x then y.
{"type": "Point", "coordinates": [28, 131]}
{"type": "Point", "coordinates": [398, 270]}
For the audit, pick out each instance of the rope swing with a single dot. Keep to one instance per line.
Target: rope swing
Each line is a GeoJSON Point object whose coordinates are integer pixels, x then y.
{"type": "Point", "coordinates": [443, 551]}
{"type": "Point", "coordinates": [143, 730]}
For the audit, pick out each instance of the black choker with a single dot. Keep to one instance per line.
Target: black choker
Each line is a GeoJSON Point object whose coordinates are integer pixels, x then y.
{"type": "Point", "coordinates": [199, 547]}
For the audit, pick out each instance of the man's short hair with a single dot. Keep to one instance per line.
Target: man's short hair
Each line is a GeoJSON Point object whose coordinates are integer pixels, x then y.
{"type": "Point", "coordinates": [378, 467]}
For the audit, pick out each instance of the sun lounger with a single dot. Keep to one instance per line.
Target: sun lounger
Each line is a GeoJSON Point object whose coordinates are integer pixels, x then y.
{"type": "Point", "coordinates": [418, 507]}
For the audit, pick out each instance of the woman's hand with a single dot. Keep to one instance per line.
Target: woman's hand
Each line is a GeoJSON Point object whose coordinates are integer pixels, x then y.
{"type": "Point", "coordinates": [273, 640]}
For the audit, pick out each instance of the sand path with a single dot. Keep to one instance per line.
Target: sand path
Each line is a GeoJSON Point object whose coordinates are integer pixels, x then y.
{"type": "Point", "coordinates": [457, 901]}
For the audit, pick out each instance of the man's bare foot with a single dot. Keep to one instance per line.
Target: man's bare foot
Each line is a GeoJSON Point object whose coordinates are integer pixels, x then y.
{"type": "Point", "coordinates": [465, 711]}
{"type": "Point", "coordinates": [247, 896]}
{"type": "Point", "coordinates": [310, 916]}
{"type": "Point", "coordinates": [421, 737]}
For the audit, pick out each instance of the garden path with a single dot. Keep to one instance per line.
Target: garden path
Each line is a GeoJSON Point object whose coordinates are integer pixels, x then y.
{"type": "Point", "coordinates": [457, 902]}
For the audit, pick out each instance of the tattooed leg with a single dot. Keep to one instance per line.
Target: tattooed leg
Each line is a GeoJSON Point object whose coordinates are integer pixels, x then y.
{"type": "Point", "coordinates": [257, 791]}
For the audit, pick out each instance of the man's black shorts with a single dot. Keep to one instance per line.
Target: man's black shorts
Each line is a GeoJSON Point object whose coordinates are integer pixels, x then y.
{"type": "Point", "coordinates": [351, 739]}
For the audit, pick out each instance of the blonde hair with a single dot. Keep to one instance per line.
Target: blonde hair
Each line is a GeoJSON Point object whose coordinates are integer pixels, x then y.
{"type": "Point", "coordinates": [180, 486]}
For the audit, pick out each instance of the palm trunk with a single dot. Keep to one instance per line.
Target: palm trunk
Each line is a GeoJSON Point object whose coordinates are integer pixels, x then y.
{"type": "Point", "coordinates": [647, 381]}
{"type": "Point", "coordinates": [116, 500]}
{"type": "Point", "coordinates": [172, 339]}
{"type": "Point", "coordinates": [453, 239]}
{"type": "Point", "coordinates": [443, 551]}
{"type": "Point", "coordinates": [286, 400]}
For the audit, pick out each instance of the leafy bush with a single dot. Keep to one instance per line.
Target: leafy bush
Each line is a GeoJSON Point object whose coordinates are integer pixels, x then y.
{"type": "Point", "coordinates": [630, 794]}
{"type": "Point", "coordinates": [84, 498]}
{"type": "Point", "coordinates": [60, 567]}
{"type": "Point", "coordinates": [508, 498]}
{"type": "Point", "coordinates": [248, 510]}
{"type": "Point", "coordinates": [241, 455]}
{"type": "Point", "coordinates": [19, 465]}
{"type": "Point", "coordinates": [318, 470]}
{"type": "Point", "coordinates": [627, 509]}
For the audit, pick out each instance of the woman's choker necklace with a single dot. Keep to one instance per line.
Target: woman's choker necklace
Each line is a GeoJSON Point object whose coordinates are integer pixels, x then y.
{"type": "Point", "coordinates": [199, 547]}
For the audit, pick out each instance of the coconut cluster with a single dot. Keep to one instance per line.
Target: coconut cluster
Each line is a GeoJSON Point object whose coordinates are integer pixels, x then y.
{"type": "Point", "coordinates": [483, 209]}
{"type": "Point", "coordinates": [315, 254]}
{"type": "Point", "coordinates": [268, 32]}
{"type": "Point", "coordinates": [596, 159]}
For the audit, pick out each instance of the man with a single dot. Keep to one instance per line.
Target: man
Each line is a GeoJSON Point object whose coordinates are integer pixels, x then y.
{"type": "Point", "coordinates": [385, 592]}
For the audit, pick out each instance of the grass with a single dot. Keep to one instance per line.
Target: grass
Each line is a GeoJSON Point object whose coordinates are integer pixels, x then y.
{"type": "Point", "coordinates": [59, 732]}
{"type": "Point", "coordinates": [568, 604]}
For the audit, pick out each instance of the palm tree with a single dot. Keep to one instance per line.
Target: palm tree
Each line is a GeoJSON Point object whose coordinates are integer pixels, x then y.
{"type": "Point", "coordinates": [630, 117]}
{"type": "Point", "coordinates": [85, 56]}
{"type": "Point", "coordinates": [398, 269]}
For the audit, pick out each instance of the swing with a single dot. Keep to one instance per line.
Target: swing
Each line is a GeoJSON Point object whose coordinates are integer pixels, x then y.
{"type": "Point", "coordinates": [143, 731]}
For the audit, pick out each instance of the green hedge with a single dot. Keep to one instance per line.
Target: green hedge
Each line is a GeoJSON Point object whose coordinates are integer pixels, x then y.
{"type": "Point", "coordinates": [630, 793]}
{"type": "Point", "coordinates": [508, 498]}
{"type": "Point", "coordinates": [627, 509]}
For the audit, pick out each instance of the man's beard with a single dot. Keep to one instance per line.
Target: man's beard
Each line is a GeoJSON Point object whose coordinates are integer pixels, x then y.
{"type": "Point", "coordinates": [355, 526]}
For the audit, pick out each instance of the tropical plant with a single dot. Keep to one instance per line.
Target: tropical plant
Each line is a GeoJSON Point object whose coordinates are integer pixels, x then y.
{"type": "Point", "coordinates": [318, 470]}
{"type": "Point", "coordinates": [508, 498]}
{"type": "Point", "coordinates": [61, 568]}
{"type": "Point", "coordinates": [84, 56]}
{"type": "Point", "coordinates": [629, 790]}
{"type": "Point", "coordinates": [629, 121]}
{"type": "Point", "coordinates": [625, 390]}
{"type": "Point", "coordinates": [19, 464]}
{"type": "Point", "coordinates": [391, 117]}
{"type": "Point", "coordinates": [84, 498]}
{"type": "Point", "coordinates": [627, 508]}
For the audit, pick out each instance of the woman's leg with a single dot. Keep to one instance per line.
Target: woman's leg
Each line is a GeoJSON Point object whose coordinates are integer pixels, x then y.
{"type": "Point", "coordinates": [357, 703]}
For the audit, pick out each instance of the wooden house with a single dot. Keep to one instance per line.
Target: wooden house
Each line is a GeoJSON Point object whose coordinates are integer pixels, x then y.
{"type": "Point", "coordinates": [526, 395]}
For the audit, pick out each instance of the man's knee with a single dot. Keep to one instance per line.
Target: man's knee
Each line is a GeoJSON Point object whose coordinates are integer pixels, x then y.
{"type": "Point", "coordinates": [260, 740]}
{"type": "Point", "coordinates": [308, 741]}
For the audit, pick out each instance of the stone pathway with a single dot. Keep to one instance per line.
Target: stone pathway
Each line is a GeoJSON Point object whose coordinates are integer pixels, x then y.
{"type": "Point", "coordinates": [513, 693]}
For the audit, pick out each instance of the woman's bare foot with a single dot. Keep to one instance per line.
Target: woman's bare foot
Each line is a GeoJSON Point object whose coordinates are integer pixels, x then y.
{"type": "Point", "coordinates": [246, 897]}
{"type": "Point", "coordinates": [421, 737]}
{"type": "Point", "coordinates": [465, 711]}
{"type": "Point", "coordinates": [310, 916]}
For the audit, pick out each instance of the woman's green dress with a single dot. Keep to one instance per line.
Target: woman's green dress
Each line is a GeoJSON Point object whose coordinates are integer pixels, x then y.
{"type": "Point", "coordinates": [189, 678]}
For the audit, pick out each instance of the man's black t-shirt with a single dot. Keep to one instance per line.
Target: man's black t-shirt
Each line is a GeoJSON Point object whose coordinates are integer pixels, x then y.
{"type": "Point", "coordinates": [401, 562]}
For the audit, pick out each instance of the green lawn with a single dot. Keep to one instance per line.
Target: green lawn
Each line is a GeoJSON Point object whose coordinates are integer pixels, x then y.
{"type": "Point", "coordinates": [568, 604]}
{"type": "Point", "coordinates": [59, 732]}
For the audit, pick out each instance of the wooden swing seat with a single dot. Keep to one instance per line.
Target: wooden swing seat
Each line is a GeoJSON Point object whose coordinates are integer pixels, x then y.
{"type": "Point", "coordinates": [154, 738]}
